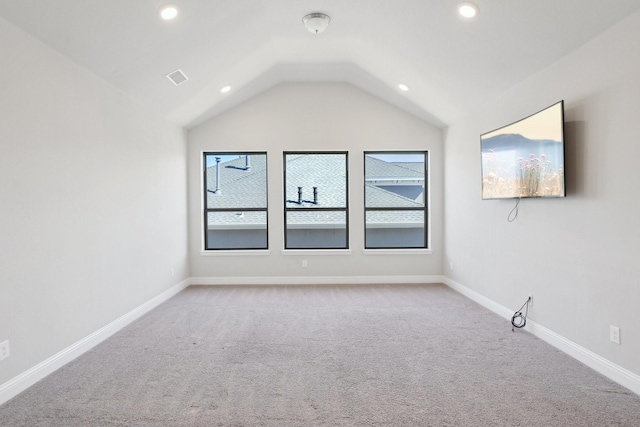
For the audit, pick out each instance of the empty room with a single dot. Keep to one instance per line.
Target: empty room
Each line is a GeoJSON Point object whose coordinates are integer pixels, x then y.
{"type": "Point", "coordinates": [286, 213]}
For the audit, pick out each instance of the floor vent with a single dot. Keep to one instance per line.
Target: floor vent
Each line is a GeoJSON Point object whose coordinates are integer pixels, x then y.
{"type": "Point", "coordinates": [177, 77]}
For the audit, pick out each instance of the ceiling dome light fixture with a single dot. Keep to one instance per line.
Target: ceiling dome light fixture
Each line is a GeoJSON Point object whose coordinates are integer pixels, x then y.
{"type": "Point", "coordinates": [403, 87]}
{"type": "Point", "coordinates": [316, 22]}
{"type": "Point", "coordinates": [467, 9]}
{"type": "Point", "coordinates": [168, 12]}
{"type": "Point", "coordinates": [225, 89]}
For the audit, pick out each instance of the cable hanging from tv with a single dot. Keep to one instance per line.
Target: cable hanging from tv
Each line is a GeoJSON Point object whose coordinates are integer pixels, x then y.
{"type": "Point", "coordinates": [519, 320]}
{"type": "Point", "coordinates": [514, 212]}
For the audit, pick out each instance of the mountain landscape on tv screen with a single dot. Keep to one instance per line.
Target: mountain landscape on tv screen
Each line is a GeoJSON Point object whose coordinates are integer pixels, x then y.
{"type": "Point", "coordinates": [523, 146]}
{"type": "Point", "coordinates": [516, 166]}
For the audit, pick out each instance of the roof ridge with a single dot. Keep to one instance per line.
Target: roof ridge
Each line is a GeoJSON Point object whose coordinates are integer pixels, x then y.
{"type": "Point", "coordinates": [393, 165]}
{"type": "Point", "coordinates": [404, 167]}
{"type": "Point", "coordinates": [394, 195]}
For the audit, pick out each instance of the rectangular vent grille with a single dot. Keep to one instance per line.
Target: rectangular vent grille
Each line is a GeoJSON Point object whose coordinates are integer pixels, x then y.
{"type": "Point", "coordinates": [177, 77]}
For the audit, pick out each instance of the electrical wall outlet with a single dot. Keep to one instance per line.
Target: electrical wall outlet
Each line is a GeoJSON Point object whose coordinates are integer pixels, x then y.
{"type": "Point", "coordinates": [304, 263]}
{"type": "Point", "coordinates": [4, 349]}
{"type": "Point", "coordinates": [614, 334]}
{"type": "Point", "coordinates": [451, 265]}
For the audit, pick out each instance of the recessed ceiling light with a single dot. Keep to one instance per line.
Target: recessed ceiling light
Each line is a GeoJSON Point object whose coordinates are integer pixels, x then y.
{"type": "Point", "coordinates": [168, 12]}
{"type": "Point", "coordinates": [467, 9]}
{"type": "Point", "coordinates": [403, 87]}
{"type": "Point", "coordinates": [225, 89]}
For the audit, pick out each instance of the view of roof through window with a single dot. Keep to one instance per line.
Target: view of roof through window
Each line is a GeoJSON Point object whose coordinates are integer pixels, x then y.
{"type": "Point", "coordinates": [236, 201]}
{"type": "Point", "coordinates": [395, 200]}
{"type": "Point", "coordinates": [315, 200]}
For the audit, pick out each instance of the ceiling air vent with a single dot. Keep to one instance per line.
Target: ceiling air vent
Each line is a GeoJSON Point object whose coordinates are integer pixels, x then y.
{"type": "Point", "coordinates": [177, 77]}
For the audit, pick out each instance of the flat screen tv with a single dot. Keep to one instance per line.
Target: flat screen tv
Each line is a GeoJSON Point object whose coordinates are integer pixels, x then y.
{"type": "Point", "coordinates": [525, 158]}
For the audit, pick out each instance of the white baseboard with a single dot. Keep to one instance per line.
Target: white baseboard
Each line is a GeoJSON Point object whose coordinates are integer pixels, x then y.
{"type": "Point", "coordinates": [28, 378]}
{"type": "Point", "coordinates": [598, 363]}
{"type": "Point", "coordinates": [314, 280]}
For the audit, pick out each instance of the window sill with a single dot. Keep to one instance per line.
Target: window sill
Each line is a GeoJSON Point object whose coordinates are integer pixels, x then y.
{"type": "Point", "coordinates": [241, 252]}
{"type": "Point", "coordinates": [397, 252]}
{"type": "Point", "coordinates": [313, 252]}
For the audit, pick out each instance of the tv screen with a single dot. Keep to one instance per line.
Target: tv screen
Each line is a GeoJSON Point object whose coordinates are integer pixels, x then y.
{"type": "Point", "coordinates": [525, 158]}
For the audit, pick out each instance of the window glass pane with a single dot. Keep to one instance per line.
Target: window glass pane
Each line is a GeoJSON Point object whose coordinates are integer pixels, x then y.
{"type": "Point", "coordinates": [236, 181]}
{"type": "Point", "coordinates": [316, 229]}
{"type": "Point", "coordinates": [315, 181]}
{"type": "Point", "coordinates": [395, 199]}
{"type": "Point", "coordinates": [395, 180]}
{"type": "Point", "coordinates": [235, 196]}
{"type": "Point", "coordinates": [395, 229]}
{"type": "Point", "coordinates": [237, 230]}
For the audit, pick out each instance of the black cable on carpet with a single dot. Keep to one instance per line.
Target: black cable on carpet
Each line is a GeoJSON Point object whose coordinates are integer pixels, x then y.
{"type": "Point", "coordinates": [518, 320]}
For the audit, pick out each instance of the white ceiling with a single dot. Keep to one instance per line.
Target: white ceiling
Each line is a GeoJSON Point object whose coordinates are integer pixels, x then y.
{"type": "Point", "coordinates": [451, 64]}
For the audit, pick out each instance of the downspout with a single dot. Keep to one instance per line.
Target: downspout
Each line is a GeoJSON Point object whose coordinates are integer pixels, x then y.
{"type": "Point", "coordinates": [217, 175]}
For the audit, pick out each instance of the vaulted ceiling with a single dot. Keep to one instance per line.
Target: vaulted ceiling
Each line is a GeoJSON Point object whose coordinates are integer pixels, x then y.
{"type": "Point", "coordinates": [451, 64]}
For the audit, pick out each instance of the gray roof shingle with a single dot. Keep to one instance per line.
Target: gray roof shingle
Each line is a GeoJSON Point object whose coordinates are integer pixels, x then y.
{"type": "Point", "coordinates": [327, 172]}
{"type": "Point", "coordinates": [239, 187]}
{"type": "Point", "coordinates": [242, 188]}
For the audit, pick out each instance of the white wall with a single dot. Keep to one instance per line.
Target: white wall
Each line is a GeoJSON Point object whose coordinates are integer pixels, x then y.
{"type": "Point", "coordinates": [579, 256]}
{"type": "Point", "coordinates": [320, 116]}
{"type": "Point", "coordinates": [92, 202]}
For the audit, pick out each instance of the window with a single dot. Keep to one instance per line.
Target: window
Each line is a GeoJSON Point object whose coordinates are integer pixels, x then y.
{"type": "Point", "coordinates": [316, 200]}
{"type": "Point", "coordinates": [395, 199]}
{"type": "Point", "coordinates": [235, 200]}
